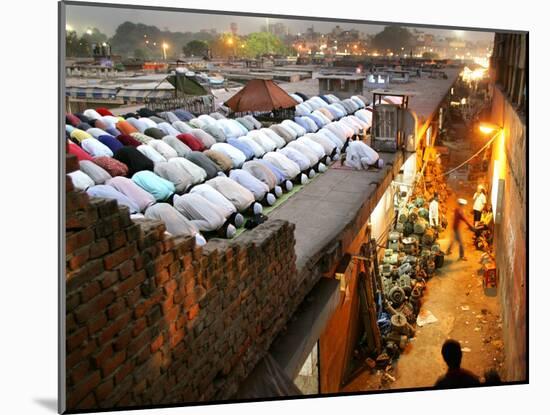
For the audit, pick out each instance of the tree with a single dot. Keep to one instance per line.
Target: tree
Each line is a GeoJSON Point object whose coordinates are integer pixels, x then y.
{"type": "Point", "coordinates": [141, 53]}
{"type": "Point", "coordinates": [263, 43]}
{"type": "Point", "coordinates": [77, 47]}
{"type": "Point", "coordinates": [93, 35]}
{"type": "Point", "coordinates": [196, 48]}
{"type": "Point", "coordinates": [393, 38]}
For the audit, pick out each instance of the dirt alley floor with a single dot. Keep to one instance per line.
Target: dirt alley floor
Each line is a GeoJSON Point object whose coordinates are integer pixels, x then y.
{"type": "Point", "coordinates": [455, 296]}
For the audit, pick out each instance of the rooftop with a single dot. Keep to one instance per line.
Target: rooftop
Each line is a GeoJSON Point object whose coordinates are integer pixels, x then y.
{"type": "Point", "coordinates": [328, 206]}
{"type": "Point", "coordinates": [428, 92]}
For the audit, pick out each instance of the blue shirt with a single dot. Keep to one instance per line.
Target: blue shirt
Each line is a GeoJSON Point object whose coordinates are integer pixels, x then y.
{"type": "Point", "coordinates": [110, 142]}
{"type": "Point", "coordinates": [281, 177]}
{"type": "Point", "coordinates": [318, 120]}
{"type": "Point", "coordinates": [241, 145]}
{"type": "Point", "coordinates": [160, 188]}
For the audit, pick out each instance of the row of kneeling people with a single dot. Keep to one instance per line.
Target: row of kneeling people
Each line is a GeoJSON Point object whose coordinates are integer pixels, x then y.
{"type": "Point", "coordinates": [260, 166]}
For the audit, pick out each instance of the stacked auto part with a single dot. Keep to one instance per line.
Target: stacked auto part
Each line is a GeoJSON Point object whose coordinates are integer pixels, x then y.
{"type": "Point", "coordinates": [411, 257]}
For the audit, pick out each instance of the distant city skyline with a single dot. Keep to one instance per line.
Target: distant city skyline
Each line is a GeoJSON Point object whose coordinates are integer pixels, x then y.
{"type": "Point", "coordinates": [107, 19]}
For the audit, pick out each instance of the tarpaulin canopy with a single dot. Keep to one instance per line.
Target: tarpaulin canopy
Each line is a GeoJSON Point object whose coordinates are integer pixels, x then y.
{"type": "Point", "coordinates": [186, 86]}
{"type": "Point", "coordinates": [260, 95]}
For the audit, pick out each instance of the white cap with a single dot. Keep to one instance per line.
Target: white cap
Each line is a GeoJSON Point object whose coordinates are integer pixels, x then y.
{"type": "Point", "coordinates": [462, 202]}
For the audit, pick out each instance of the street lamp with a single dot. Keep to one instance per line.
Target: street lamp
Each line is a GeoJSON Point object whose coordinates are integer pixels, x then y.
{"type": "Point", "coordinates": [164, 47]}
{"type": "Point", "coordinates": [488, 128]}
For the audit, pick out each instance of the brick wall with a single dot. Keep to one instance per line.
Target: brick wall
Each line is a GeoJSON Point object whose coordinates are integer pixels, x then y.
{"type": "Point", "coordinates": [157, 320]}
{"type": "Point", "coordinates": [510, 239]}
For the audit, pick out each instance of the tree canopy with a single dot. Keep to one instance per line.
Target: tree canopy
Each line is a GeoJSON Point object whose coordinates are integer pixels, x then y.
{"type": "Point", "coordinates": [130, 37]}
{"type": "Point", "coordinates": [76, 47]}
{"type": "Point", "coordinates": [196, 48]}
{"type": "Point", "coordinates": [263, 43]}
{"type": "Point", "coordinates": [393, 38]}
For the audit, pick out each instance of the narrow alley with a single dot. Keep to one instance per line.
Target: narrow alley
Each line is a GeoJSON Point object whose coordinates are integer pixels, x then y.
{"type": "Point", "coordinates": [455, 296]}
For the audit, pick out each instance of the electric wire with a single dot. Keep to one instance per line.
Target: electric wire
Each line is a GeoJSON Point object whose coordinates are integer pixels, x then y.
{"type": "Point", "coordinates": [471, 158]}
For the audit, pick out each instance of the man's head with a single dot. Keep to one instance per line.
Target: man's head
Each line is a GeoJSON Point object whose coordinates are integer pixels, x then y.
{"type": "Point", "coordinates": [462, 202]}
{"type": "Point", "coordinates": [451, 353]}
{"type": "Point", "coordinates": [436, 196]}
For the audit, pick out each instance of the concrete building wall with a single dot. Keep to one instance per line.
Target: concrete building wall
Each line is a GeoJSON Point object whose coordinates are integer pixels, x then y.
{"type": "Point", "coordinates": [509, 149]}
{"type": "Point", "coordinates": [152, 319]}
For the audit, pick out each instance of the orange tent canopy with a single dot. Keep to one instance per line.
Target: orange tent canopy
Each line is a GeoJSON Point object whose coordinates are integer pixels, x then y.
{"type": "Point", "coordinates": [260, 95]}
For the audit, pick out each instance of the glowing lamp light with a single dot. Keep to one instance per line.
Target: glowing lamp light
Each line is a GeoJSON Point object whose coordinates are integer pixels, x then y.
{"type": "Point", "coordinates": [488, 128]}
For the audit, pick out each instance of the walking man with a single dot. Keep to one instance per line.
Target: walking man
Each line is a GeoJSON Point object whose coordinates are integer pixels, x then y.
{"type": "Point", "coordinates": [459, 217]}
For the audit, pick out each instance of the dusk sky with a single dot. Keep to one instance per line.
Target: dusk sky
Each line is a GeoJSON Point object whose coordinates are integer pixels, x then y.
{"type": "Point", "coordinates": [107, 19]}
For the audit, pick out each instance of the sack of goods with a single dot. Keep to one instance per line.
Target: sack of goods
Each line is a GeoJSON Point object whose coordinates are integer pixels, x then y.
{"type": "Point", "coordinates": [413, 215]}
{"type": "Point", "coordinates": [419, 202]}
{"type": "Point", "coordinates": [420, 226]}
{"type": "Point", "coordinates": [403, 215]}
{"type": "Point", "coordinates": [399, 227]}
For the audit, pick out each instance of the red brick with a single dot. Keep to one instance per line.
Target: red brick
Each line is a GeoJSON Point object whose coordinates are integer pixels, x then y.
{"type": "Point", "coordinates": [116, 258]}
{"type": "Point", "coordinates": [76, 339]}
{"type": "Point", "coordinates": [70, 324]}
{"type": "Point", "coordinates": [117, 240]}
{"type": "Point", "coordinates": [69, 187]}
{"type": "Point", "coordinates": [162, 276]}
{"type": "Point", "coordinates": [100, 358]}
{"type": "Point", "coordinates": [85, 274]}
{"type": "Point", "coordinates": [97, 323]}
{"type": "Point", "coordinates": [193, 312]}
{"type": "Point", "coordinates": [87, 311]}
{"type": "Point", "coordinates": [130, 283]}
{"type": "Point", "coordinates": [116, 309]}
{"type": "Point", "coordinates": [90, 291]}
{"type": "Point", "coordinates": [72, 301]}
{"type": "Point", "coordinates": [79, 239]}
{"type": "Point", "coordinates": [123, 371]}
{"type": "Point", "coordinates": [122, 340]}
{"type": "Point", "coordinates": [79, 372]}
{"type": "Point", "coordinates": [133, 297]}
{"type": "Point", "coordinates": [139, 326]}
{"type": "Point", "coordinates": [176, 338]}
{"type": "Point", "coordinates": [89, 402]}
{"type": "Point", "coordinates": [83, 352]}
{"type": "Point", "coordinates": [172, 314]}
{"type": "Point", "coordinates": [139, 342]}
{"type": "Point", "coordinates": [78, 258]}
{"type": "Point", "coordinates": [170, 287]}
{"type": "Point", "coordinates": [157, 343]}
{"type": "Point", "coordinates": [82, 389]}
{"type": "Point", "coordinates": [104, 389]}
{"type": "Point", "coordinates": [110, 331]}
{"type": "Point", "coordinates": [99, 248]}
{"type": "Point", "coordinates": [108, 278]}
{"type": "Point", "coordinates": [113, 363]}
{"type": "Point", "coordinates": [126, 269]}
